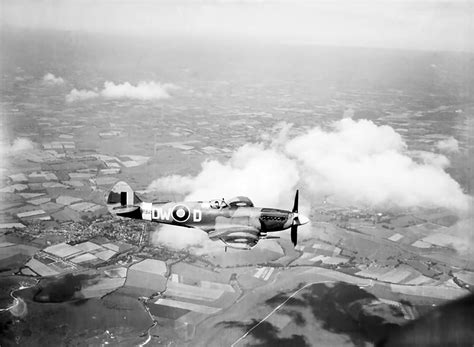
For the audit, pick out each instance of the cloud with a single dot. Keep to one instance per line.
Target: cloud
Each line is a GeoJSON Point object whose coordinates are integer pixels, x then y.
{"type": "Point", "coordinates": [181, 238]}
{"type": "Point", "coordinates": [81, 94]}
{"type": "Point", "coordinates": [142, 91]}
{"type": "Point", "coordinates": [50, 79]}
{"type": "Point", "coordinates": [449, 145]}
{"type": "Point", "coordinates": [431, 158]}
{"type": "Point", "coordinates": [172, 184]}
{"type": "Point", "coordinates": [18, 148]}
{"type": "Point", "coordinates": [266, 175]}
{"type": "Point", "coordinates": [353, 162]}
{"type": "Point", "coordinates": [462, 230]}
{"type": "Point", "coordinates": [19, 145]}
{"type": "Point", "coordinates": [358, 162]}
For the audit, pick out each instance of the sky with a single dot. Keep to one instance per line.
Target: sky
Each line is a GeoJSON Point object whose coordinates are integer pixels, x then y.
{"type": "Point", "coordinates": [421, 24]}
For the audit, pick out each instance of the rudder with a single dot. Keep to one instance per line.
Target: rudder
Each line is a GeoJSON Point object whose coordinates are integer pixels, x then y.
{"type": "Point", "coordinates": [121, 197]}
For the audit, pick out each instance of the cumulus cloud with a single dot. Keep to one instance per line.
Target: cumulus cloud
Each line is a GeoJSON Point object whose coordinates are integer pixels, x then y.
{"type": "Point", "coordinates": [358, 162]}
{"type": "Point", "coordinates": [81, 94]}
{"type": "Point", "coordinates": [353, 162]}
{"type": "Point", "coordinates": [49, 78]}
{"type": "Point", "coordinates": [142, 91]}
{"type": "Point", "coordinates": [266, 175]}
{"type": "Point", "coordinates": [449, 145]}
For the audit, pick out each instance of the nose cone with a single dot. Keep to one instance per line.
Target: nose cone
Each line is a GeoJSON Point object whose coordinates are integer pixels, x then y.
{"type": "Point", "coordinates": [303, 219]}
{"type": "Point", "coordinates": [300, 219]}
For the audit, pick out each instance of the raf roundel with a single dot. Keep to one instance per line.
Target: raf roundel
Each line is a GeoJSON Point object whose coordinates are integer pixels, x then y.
{"type": "Point", "coordinates": [181, 213]}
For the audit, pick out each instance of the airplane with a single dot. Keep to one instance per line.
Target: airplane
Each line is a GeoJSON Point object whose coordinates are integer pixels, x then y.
{"type": "Point", "coordinates": [236, 222]}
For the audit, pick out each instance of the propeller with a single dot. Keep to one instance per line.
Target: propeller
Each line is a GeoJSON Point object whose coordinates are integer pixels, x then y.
{"type": "Point", "coordinates": [297, 220]}
{"type": "Point", "coordinates": [294, 226]}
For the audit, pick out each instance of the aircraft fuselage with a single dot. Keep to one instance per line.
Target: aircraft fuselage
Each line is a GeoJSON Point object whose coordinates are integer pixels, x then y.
{"type": "Point", "coordinates": [201, 215]}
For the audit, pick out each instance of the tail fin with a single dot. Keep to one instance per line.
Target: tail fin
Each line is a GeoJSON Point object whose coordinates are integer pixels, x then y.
{"type": "Point", "coordinates": [122, 200]}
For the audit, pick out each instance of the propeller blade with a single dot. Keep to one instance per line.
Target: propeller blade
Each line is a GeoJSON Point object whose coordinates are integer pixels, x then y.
{"type": "Point", "coordinates": [295, 205]}
{"type": "Point", "coordinates": [294, 234]}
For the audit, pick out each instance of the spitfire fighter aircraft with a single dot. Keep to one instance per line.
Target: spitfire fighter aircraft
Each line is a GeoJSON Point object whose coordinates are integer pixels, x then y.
{"type": "Point", "coordinates": [235, 222]}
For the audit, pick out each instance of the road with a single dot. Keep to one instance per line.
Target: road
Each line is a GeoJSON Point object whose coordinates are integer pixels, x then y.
{"type": "Point", "coordinates": [18, 308]}
{"type": "Point", "coordinates": [275, 310]}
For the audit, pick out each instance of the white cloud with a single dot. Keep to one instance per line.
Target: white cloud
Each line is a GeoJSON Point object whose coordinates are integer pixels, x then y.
{"type": "Point", "coordinates": [81, 94]}
{"type": "Point", "coordinates": [266, 175]}
{"type": "Point", "coordinates": [358, 162]}
{"type": "Point", "coordinates": [49, 78]}
{"type": "Point", "coordinates": [14, 150]}
{"type": "Point", "coordinates": [180, 238]}
{"type": "Point", "coordinates": [353, 162]}
{"type": "Point", "coordinates": [431, 158]}
{"type": "Point", "coordinates": [142, 91]}
{"type": "Point", "coordinates": [19, 145]}
{"type": "Point", "coordinates": [449, 145]}
{"type": "Point", "coordinates": [172, 184]}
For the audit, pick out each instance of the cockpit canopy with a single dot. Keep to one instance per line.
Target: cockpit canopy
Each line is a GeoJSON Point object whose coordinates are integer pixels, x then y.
{"type": "Point", "coordinates": [240, 201]}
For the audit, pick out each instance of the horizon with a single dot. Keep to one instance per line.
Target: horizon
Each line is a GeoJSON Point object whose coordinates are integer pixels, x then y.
{"type": "Point", "coordinates": [421, 25]}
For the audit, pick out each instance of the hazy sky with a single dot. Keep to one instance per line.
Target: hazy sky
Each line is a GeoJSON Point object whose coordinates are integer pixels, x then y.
{"type": "Point", "coordinates": [421, 24]}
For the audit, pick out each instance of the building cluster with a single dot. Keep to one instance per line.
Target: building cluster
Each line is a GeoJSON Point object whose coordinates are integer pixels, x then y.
{"type": "Point", "coordinates": [345, 214]}
{"type": "Point", "coordinates": [63, 257]}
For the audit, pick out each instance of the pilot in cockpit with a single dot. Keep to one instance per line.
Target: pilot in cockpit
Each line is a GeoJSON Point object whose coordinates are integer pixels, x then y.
{"type": "Point", "coordinates": [223, 204]}
{"type": "Point", "coordinates": [219, 204]}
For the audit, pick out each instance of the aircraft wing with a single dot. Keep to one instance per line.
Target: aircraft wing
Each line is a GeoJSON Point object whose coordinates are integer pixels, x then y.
{"type": "Point", "coordinates": [236, 236]}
